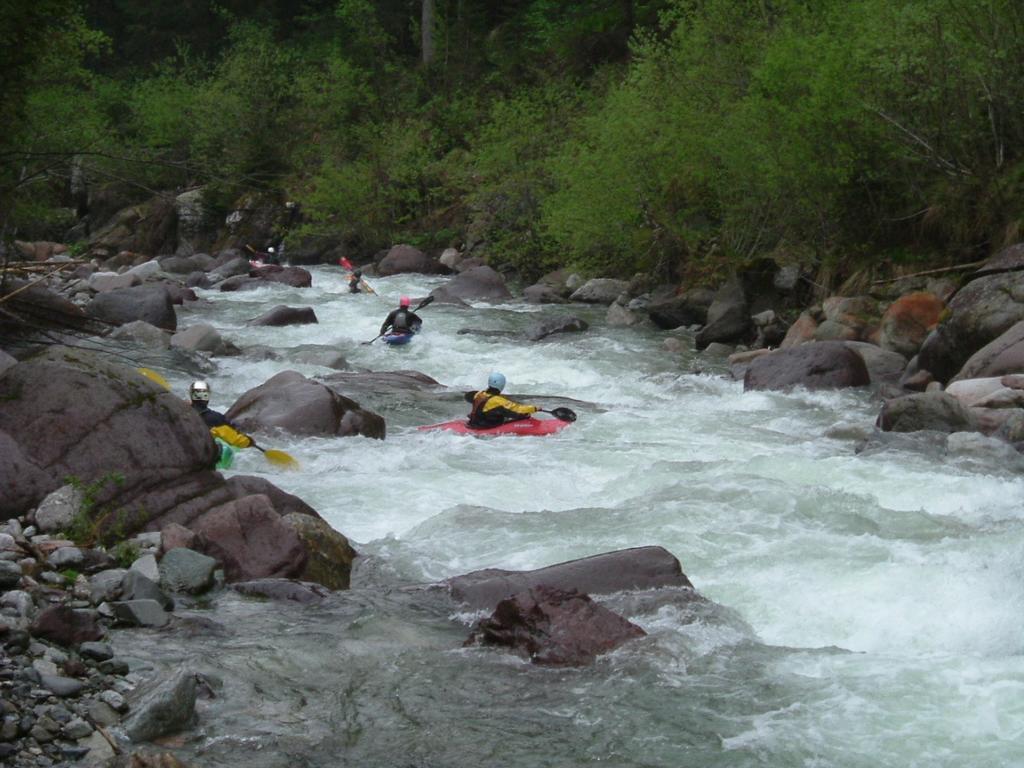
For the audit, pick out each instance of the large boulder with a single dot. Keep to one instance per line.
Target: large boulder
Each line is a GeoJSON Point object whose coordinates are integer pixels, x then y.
{"type": "Point", "coordinates": [821, 365]}
{"type": "Point", "coordinates": [979, 313]}
{"type": "Point", "coordinates": [554, 627]}
{"type": "Point", "coordinates": [102, 421]}
{"type": "Point", "coordinates": [551, 325]}
{"type": "Point", "coordinates": [852, 318]}
{"type": "Point", "coordinates": [291, 402]}
{"type": "Point", "coordinates": [627, 569]}
{"type": "Point", "coordinates": [202, 337]}
{"type": "Point", "coordinates": [148, 227]}
{"type": "Point", "coordinates": [689, 308]}
{"type": "Point", "coordinates": [250, 540]}
{"type": "Point", "coordinates": [937, 411]}
{"type": "Point", "coordinates": [1003, 355]}
{"type": "Point", "coordinates": [197, 226]}
{"type": "Point", "coordinates": [728, 317]}
{"type": "Point", "coordinates": [477, 283]}
{"type": "Point", "coordinates": [282, 315]}
{"type": "Point", "coordinates": [801, 331]}
{"type": "Point", "coordinates": [884, 366]}
{"type": "Point", "coordinates": [908, 321]}
{"type": "Point", "coordinates": [296, 277]}
{"type": "Point", "coordinates": [150, 303]}
{"type": "Point", "coordinates": [330, 556]}
{"type": "Point", "coordinates": [406, 258]}
{"type": "Point", "coordinates": [599, 290]}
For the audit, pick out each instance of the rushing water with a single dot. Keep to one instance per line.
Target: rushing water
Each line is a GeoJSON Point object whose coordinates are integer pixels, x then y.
{"type": "Point", "coordinates": [867, 607]}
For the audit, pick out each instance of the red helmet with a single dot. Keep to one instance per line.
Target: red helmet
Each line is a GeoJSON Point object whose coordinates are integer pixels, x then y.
{"type": "Point", "coordinates": [403, 302]}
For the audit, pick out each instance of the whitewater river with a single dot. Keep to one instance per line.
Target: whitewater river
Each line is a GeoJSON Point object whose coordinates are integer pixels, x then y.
{"type": "Point", "coordinates": [868, 610]}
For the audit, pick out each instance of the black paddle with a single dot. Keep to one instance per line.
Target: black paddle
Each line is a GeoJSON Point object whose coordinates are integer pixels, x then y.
{"type": "Point", "coordinates": [419, 306]}
{"type": "Point", "coordinates": [563, 414]}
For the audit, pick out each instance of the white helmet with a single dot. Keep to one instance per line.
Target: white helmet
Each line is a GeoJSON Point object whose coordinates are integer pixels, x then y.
{"type": "Point", "coordinates": [270, 249]}
{"type": "Point", "coordinates": [199, 390]}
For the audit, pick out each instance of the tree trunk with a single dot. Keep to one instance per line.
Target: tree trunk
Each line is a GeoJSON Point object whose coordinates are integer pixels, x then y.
{"type": "Point", "coordinates": [427, 32]}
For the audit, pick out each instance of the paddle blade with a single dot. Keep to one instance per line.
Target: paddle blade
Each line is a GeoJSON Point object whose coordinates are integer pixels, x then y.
{"type": "Point", "coordinates": [280, 459]}
{"type": "Point", "coordinates": [346, 264]}
{"type": "Point", "coordinates": [424, 303]}
{"type": "Point", "coordinates": [565, 414]}
{"type": "Point", "coordinates": [154, 376]}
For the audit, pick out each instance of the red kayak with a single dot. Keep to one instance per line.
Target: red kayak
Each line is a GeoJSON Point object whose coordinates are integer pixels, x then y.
{"type": "Point", "coordinates": [529, 426]}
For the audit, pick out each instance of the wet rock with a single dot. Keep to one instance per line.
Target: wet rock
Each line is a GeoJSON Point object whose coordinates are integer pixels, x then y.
{"type": "Point", "coordinates": [728, 317]}
{"type": "Point", "coordinates": [1003, 355]}
{"type": "Point", "coordinates": [908, 321]}
{"type": "Point", "coordinates": [937, 411]}
{"type": "Point", "coordinates": [142, 333]}
{"type": "Point", "coordinates": [65, 626]}
{"type": "Point", "coordinates": [554, 627]}
{"type": "Point", "coordinates": [168, 708]}
{"type": "Point", "coordinates": [64, 687]}
{"type": "Point", "coordinates": [96, 651]}
{"type": "Point", "coordinates": [201, 337]}
{"type": "Point", "coordinates": [301, 406]}
{"type": "Point", "coordinates": [295, 277]}
{"type": "Point", "coordinates": [283, 589]}
{"type": "Point", "coordinates": [251, 540]}
{"type": "Point", "coordinates": [184, 570]}
{"type": "Point", "coordinates": [150, 303]}
{"type": "Point", "coordinates": [542, 293]}
{"type": "Point", "coordinates": [121, 420]}
{"type": "Point", "coordinates": [550, 326]}
{"type": "Point", "coordinates": [138, 587]}
{"type": "Point", "coordinates": [884, 366]}
{"type": "Point", "coordinates": [689, 308]}
{"type": "Point", "coordinates": [406, 258]}
{"type": "Point", "coordinates": [821, 365]}
{"type": "Point", "coordinates": [10, 574]}
{"type": "Point", "coordinates": [106, 585]}
{"type": "Point", "coordinates": [330, 555]}
{"type": "Point", "coordinates": [626, 569]}
{"type": "Point", "coordinates": [282, 315]}
{"type": "Point", "coordinates": [140, 613]}
{"type": "Point", "coordinates": [600, 290]}
{"type": "Point", "coordinates": [478, 283]}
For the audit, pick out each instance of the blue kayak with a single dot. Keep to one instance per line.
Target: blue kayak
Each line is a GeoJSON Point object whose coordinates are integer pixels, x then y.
{"type": "Point", "coordinates": [398, 338]}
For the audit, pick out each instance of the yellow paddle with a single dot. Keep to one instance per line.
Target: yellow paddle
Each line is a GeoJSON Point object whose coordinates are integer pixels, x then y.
{"type": "Point", "coordinates": [275, 457]}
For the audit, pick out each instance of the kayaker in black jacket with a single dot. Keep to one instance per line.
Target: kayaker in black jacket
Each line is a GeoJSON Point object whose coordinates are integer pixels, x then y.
{"type": "Point", "coordinates": [491, 409]}
{"type": "Point", "coordinates": [353, 282]}
{"type": "Point", "coordinates": [199, 394]}
{"type": "Point", "coordinates": [401, 320]}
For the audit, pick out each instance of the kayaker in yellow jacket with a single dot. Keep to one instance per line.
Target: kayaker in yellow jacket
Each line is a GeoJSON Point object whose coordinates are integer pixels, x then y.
{"type": "Point", "coordinates": [491, 409]}
{"type": "Point", "coordinates": [220, 427]}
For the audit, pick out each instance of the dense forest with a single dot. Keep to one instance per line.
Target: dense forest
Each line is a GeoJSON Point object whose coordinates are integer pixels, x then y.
{"type": "Point", "coordinates": [679, 137]}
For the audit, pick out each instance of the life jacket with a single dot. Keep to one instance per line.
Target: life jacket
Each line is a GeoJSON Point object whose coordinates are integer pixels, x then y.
{"type": "Point", "coordinates": [493, 410]}
{"type": "Point", "coordinates": [231, 436]}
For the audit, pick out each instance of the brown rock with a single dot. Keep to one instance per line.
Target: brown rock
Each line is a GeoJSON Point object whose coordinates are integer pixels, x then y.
{"type": "Point", "coordinates": [65, 626]}
{"type": "Point", "coordinates": [908, 321]}
{"type": "Point", "coordinates": [330, 554]}
{"type": "Point", "coordinates": [554, 627]}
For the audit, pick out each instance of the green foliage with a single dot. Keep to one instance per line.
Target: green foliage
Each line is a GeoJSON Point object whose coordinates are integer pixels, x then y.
{"type": "Point", "coordinates": [92, 521]}
{"type": "Point", "coordinates": [125, 553]}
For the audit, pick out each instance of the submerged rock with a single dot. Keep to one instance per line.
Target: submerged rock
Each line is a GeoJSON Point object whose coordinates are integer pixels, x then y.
{"type": "Point", "coordinates": [554, 627]}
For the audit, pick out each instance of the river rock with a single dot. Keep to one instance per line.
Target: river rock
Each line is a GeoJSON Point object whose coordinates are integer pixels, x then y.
{"type": "Point", "coordinates": [295, 404]}
{"type": "Point", "coordinates": [184, 570]}
{"type": "Point", "coordinates": [65, 626]}
{"type": "Point", "coordinates": [1001, 356]}
{"type": "Point", "coordinates": [296, 277]}
{"type": "Point", "coordinates": [106, 585]}
{"type": "Point", "coordinates": [135, 586]}
{"type": "Point", "coordinates": [973, 392]}
{"type": "Point", "coordinates": [10, 574]}
{"type": "Point", "coordinates": [282, 315]}
{"type": "Point", "coordinates": [201, 337]}
{"type": "Point", "coordinates": [728, 317]}
{"type": "Point", "coordinates": [908, 321]}
{"type": "Point", "coordinates": [884, 366]}
{"type": "Point", "coordinates": [937, 411]}
{"type": "Point", "coordinates": [406, 258]}
{"type": "Point", "coordinates": [150, 303]}
{"type": "Point", "coordinates": [689, 308]}
{"type": "Point", "coordinates": [142, 333]}
{"type": "Point", "coordinates": [481, 283]}
{"type": "Point", "coordinates": [554, 627]}
{"type": "Point", "coordinates": [58, 510]}
{"type": "Point", "coordinates": [140, 613]}
{"type": "Point", "coordinates": [283, 589]}
{"type": "Point", "coordinates": [101, 282]}
{"type": "Point", "coordinates": [542, 293]}
{"type": "Point", "coordinates": [330, 555]}
{"type": "Point", "coordinates": [852, 318]}
{"type": "Point", "coordinates": [627, 569]}
{"type": "Point", "coordinates": [251, 540]}
{"type": "Point", "coordinates": [800, 332]}
{"type": "Point", "coordinates": [165, 709]}
{"type": "Point", "coordinates": [979, 313]}
{"type": "Point", "coordinates": [552, 325]}
{"type": "Point", "coordinates": [599, 290]}
{"type": "Point", "coordinates": [821, 365]}
{"type": "Point", "coordinates": [160, 447]}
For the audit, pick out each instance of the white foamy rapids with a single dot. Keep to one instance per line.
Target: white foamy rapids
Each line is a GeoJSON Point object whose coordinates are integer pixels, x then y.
{"type": "Point", "coordinates": [883, 593]}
